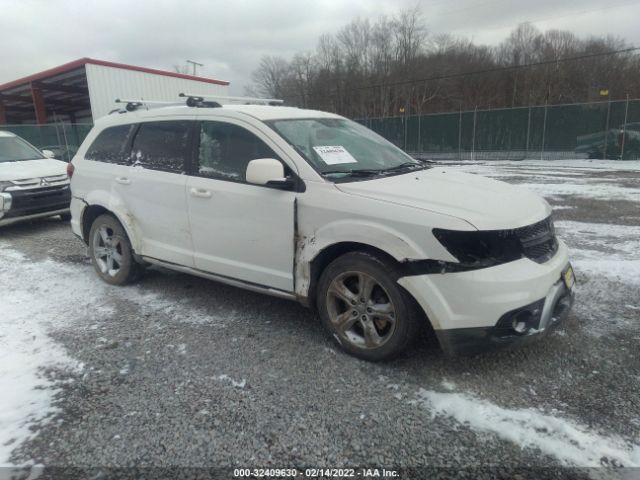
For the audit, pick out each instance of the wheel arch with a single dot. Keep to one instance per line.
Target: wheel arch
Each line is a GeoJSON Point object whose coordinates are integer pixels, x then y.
{"type": "Point", "coordinates": [333, 251]}
{"type": "Point", "coordinates": [324, 258]}
{"type": "Point", "coordinates": [94, 210]}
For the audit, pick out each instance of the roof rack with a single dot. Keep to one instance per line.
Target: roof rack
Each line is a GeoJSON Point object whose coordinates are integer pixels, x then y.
{"type": "Point", "coordinates": [133, 105]}
{"type": "Point", "coordinates": [198, 100]}
{"type": "Point", "coordinates": [194, 100]}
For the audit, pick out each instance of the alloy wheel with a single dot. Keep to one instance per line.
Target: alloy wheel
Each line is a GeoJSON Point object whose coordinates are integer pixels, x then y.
{"type": "Point", "coordinates": [107, 251]}
{"type": "Point", "coordinates": [361, 310]}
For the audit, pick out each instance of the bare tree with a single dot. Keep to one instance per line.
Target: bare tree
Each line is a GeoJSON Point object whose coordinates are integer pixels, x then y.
{"type": "Point", "coordinates": [270, 76]}
{"type": "Point", "coordinates": [392, 66]}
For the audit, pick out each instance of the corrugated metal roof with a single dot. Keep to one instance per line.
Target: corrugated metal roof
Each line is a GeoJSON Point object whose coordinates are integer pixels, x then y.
{"type": "Point", "coordinates": [77, 64]}
{"type": "Point", "coordinates": [88, 87]}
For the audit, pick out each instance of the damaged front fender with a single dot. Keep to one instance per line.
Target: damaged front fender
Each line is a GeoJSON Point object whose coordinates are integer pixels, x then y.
{"type": "Point", "coordinates": [309, 245]}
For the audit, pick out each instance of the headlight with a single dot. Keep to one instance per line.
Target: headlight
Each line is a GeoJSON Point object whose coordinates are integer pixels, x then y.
{"type": "Point", "coordinates": [4, 185]}
{"type": "Point", "coordinates": [480, 249]}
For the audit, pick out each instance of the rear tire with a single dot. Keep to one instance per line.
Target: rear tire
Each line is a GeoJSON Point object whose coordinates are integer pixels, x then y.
{"type": "Point", "coordinates": [362, 305]}
{"type": "Point", "coordinates": [111, 253]}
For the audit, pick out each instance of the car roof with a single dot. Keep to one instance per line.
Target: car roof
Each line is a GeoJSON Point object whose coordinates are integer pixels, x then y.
{"type": "Point", "coordinates": [267, 112]}
{"type": "Point", "coordinates": [4, 133]}
{"type": "Point", "coordinates": [260, 112]}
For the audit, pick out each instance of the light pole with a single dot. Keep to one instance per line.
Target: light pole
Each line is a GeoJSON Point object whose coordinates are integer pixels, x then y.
{"type": "Point", "coordinates": [194, 65]}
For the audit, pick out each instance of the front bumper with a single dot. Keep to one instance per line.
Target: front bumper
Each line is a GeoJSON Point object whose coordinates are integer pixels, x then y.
{"type": "Point", "coordinates": [27, 204]}
{"type": "Point", "coordinates": [469, 341]}
{"type": "Point", "coordinates": [466, 308]}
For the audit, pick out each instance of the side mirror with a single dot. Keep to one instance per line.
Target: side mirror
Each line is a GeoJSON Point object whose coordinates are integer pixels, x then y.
{"type": "Point", "coordinates": [268, 172]}
{"type": "Point", "coordinates": [48, 154]}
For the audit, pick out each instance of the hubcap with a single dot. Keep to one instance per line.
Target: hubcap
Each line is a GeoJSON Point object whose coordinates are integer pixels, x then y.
{"type": "Point", "coordinates": [107, 251]}
{"type": "Point", "coordinates": [360, 310]}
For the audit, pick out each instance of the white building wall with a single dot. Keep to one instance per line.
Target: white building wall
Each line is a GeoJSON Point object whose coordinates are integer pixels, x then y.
{"type": "Point", "coordinates": [108, 83]}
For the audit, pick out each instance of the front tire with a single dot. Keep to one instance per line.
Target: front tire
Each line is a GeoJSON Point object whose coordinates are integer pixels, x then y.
{"type": "Point", "coordinates": [111, 253]}
{"type": "Point", "coordinates": [362, 305]}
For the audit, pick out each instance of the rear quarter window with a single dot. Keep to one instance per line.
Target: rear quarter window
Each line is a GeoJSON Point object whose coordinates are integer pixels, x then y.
{"type": "Point", "coordinates": [110, 145]}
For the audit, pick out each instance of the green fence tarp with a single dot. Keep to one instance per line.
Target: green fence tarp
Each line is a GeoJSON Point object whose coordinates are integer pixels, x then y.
{"type": "Point", "coordinates": [589, 130]}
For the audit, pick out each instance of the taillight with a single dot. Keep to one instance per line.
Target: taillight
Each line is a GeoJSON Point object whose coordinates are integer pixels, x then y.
{"type": "Point", "coordinates": [70, 169]}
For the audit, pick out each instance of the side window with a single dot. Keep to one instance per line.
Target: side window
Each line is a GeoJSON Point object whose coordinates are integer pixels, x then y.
{"type": "Point", "coordinates": [162, 145]}
{"type": "Point", "coordinates": [226, 150]}
{"type": "Point", "coordinates": [109, 145]}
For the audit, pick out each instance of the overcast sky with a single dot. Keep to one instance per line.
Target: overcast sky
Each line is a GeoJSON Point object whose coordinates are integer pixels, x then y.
{"type": "Point", "coordinates": [229, 37]}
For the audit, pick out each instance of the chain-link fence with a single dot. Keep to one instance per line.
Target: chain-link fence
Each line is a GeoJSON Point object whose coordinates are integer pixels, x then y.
{"type": "Point", "coordinates": [63, 139]}
{"type": "Point", "coordinates": [585, 130]}
{"type": "Point", "coordinates": [588, 130]}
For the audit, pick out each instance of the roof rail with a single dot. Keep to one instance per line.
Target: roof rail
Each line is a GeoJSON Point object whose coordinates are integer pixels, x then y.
{"type": "Point", "coordinates": [196, 99]}
{"type": "Point", "coordinates": [133, 105]}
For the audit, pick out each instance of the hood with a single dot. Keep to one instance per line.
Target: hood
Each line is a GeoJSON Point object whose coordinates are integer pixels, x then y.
{"type": "Point", "coordinates": [486, 204]}
{"type": "Point", "coordinates": [21, 170]}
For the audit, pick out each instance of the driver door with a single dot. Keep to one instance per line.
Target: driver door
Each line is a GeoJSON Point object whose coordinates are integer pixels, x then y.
{"type": "Point", "coordinates": [239, 230]}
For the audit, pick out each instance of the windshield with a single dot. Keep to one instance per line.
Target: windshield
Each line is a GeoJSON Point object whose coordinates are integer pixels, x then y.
{"type": "Point", "coordinates": [14, 149]}
{"type": "Point", "coordinates": [339, 148]}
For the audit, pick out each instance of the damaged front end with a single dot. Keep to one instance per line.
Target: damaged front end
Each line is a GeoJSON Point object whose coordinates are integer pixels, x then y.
{"type": "Point", "coordinates": [475, 293]}
{"type": "Point", "coordinates": [488, 248]}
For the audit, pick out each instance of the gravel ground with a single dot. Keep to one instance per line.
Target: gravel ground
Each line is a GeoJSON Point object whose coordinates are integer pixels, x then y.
{"type": "Point", "coordinates": [178, 371]}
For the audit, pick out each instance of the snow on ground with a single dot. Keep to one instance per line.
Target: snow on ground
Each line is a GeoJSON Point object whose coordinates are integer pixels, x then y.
{"type": "Point", "coordinates": [604, 250]}
{"type": "Point", "coordinates": [39, 298]}
{"type": "Point", "coordinates": [27, 313]}
{"type": "Point", "coordinates": [551, 178]}
{"type": "Point", "coordinates": [599, 191]}
{"type": "Point", "coordinates": [606, 260]}
{"type": "Point", "coordinates": [568, 166]}
{"type": "Point", "coordinates": [572, 444]}
{"type": "Point", "coordinates": [234, 383]}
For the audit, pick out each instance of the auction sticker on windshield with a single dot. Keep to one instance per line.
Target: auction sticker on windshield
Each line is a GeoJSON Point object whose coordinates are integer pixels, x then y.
{"type": "Point", "coordinates": [334, 155]}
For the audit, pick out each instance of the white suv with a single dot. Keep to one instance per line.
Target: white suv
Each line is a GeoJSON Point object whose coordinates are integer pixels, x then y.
{"type": "Point", "coordinates": [32, 183]}
{"type": "Point", "coordinates": [310, 206]}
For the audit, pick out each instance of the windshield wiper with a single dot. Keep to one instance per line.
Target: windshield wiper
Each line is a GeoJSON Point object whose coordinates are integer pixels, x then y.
{"type": "Point", "coordinates": [403, 166]}
{"type": "Point", "coordinates": [354, 173]}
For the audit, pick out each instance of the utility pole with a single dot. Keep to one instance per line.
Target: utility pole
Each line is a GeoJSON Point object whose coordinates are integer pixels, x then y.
{"type": "Point", "coordinates": [194, 65]}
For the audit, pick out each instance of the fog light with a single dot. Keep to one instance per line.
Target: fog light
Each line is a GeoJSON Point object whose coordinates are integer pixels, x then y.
{"type": "Point", "coordinates": [5, 202]}
{"type": "Point", "coordinates": [521, 322]}
{"type": "Point", "coordinates": [519, 327]}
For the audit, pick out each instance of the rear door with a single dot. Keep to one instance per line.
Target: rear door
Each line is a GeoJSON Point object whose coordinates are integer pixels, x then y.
{"type": "Point", "coordinates": [155, 189]}
{"type": "Point", "coordinates": [239, 230]}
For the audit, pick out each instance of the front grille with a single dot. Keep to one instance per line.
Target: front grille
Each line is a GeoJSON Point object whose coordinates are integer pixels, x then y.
{"type": "Point", "coordinates": [39, 200]}
{"type": "Point", "coordinates": [538, 241]}
{"type": "Point", "coordinates": [30, 183]}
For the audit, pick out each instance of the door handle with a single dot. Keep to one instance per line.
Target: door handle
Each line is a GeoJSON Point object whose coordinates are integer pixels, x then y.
{"type": "Point", "coordinates": [200, 192]}
{"type": "Point", "coordinates": [123, 180]}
